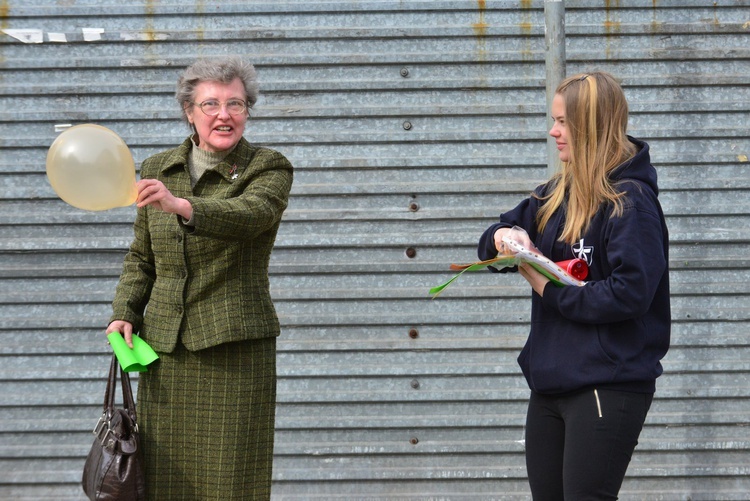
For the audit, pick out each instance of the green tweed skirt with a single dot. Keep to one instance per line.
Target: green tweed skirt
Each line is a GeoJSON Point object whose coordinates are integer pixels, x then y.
{"type": "Point", "coordinates": [207, 421]}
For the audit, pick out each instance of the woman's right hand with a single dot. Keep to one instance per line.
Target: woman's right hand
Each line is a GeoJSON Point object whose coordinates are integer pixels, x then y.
{"type": "Point", "coordinates": [124, 328]}
{"type": "Point", "coordinates": [153, 192]}
{"type": "Point", "coordinates": [517, 235]}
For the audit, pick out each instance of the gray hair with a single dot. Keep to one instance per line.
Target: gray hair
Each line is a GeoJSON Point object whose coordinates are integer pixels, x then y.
{"type": "Point", "coordinates": [223, 70]}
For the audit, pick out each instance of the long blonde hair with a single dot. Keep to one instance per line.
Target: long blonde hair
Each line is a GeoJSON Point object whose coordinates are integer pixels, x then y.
{"type": "Point", "coordinates": [596, 116]}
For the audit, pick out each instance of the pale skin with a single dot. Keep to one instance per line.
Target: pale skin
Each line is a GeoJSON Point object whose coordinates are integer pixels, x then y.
{"type": "Point", "coordinates": [558, 131]}
{"type": "Point", "coordinates": [535, 279]}
{"type": "Point", "coordinates": [214, 133]}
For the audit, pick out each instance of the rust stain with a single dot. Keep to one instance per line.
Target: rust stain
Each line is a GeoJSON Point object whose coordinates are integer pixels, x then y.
{"type": "Point", "coordinates": [608, 5]}
{"type": "Point", "coordinates": [149, 31]}
{"type": "Point", "coordinates": [525, 27]}
{"type": "Point", "coordinates": [4, 24]}
{"type": "Point", "coordinates": [716, 15]}
{"type": "Point", "coordinates": [4, 13]}
{"type": "Point", "coordinates": [656, 25]}
{"type": "Point", "coordinates": [480, 30]}
{"type": "Point", "coordinates": [200, 31]}
{"type": "Point", "coordinates": [612, 27]}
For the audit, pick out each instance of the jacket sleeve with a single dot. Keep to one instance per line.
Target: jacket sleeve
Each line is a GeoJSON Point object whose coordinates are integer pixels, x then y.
{"type": "Point", "coordinates": [137, 277]}
{"type": "Point", "coordinates": [257, 210]}
{"type": "Point", "coordinates": [635, 254]}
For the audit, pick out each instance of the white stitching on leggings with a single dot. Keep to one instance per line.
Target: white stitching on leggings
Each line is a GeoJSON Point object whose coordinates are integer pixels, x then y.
{"type": "Point", "coordinates": [598, 405]}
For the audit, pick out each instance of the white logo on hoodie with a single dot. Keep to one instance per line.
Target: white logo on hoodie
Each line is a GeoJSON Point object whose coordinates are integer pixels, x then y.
{"type": "Point", "coordinates": [585, 252]}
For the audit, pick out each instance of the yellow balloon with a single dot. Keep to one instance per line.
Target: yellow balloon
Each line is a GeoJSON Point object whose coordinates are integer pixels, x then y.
{"type": "Point", "coordinates": [90, 167]}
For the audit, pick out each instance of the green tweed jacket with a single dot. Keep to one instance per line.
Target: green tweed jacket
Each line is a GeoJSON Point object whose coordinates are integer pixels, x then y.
{"type": "Point", "coordinates": [206, 283]}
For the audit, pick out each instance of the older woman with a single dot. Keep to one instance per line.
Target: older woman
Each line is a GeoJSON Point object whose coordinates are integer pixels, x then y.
{"type": "Point", "coordinates": [195, 286]}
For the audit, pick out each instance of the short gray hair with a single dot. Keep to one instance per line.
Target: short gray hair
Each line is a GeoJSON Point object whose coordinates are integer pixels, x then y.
{"type": "Point", "coordinates": [223, 70]}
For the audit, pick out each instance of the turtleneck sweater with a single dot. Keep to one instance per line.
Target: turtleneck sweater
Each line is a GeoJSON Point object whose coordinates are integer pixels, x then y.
{"type": "Point", "coordinates": [200, 160]}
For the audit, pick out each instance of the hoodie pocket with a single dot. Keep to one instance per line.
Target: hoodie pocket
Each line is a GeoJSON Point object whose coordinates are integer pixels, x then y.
{"type": "Point", "coordinates": [561, 356]}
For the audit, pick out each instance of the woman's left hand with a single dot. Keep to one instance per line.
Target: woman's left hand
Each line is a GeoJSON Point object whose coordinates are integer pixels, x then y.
{"type": "Point", "coordinates": [153, 192]}
{"type": "Point", "coordinates": [535, 279]}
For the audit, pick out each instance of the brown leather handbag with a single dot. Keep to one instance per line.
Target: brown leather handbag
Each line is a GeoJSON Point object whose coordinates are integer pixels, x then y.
{"type": "Point", "coordinates": [114, 468]}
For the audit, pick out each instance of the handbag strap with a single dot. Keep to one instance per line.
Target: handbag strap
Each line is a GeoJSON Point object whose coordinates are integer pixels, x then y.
{"type": "Point", "coordinates": [127, 394]}
{"type": "Point", "coordinates": [127, 391]}
{"type": "Point", "coordinates": [109, 392]}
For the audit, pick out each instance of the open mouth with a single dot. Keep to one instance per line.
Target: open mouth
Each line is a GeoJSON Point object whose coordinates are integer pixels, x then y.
{"type": "Point", "coordinates": [224, 128]}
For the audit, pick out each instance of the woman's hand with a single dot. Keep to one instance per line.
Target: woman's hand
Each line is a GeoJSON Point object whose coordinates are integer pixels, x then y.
{"type": "Point", "coordinates": [153, 192]}
{"type": "Point", "coordinates": [124, 328]}
{"type": "Point", "coordinates": [533, 277]}
{"type": "Point", "coordinates": [517, 235]}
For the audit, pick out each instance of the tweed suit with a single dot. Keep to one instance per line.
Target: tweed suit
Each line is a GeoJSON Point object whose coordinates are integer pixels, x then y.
{"type": "Point", "coordinates": [199, 295]}
{"type": "Point", "coordinates": [206, 284]}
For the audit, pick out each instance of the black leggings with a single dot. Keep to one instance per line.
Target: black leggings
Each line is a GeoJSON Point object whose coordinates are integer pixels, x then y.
{"type": "Point", "coordinates": [578, 446]}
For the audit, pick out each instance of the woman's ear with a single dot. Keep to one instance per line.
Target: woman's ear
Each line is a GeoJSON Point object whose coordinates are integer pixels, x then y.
{"type": "Point", "coordinates": [188, 109]}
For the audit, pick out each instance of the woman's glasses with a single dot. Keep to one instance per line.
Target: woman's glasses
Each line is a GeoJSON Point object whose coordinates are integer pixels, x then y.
{"type": "Point", "coordinates": [212, 107]}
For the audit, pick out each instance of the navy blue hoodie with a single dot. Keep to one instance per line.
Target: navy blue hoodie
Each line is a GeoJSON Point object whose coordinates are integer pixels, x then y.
{"type": "Point", "coordinates": [612, 332]}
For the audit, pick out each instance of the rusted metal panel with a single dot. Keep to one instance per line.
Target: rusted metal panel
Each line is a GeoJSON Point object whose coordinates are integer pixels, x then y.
{"type": "Point", "coordinates": [411, 126]}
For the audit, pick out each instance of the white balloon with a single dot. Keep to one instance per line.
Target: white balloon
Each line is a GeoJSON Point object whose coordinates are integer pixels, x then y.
{"type": "Point", "coordinates": [90, 167]}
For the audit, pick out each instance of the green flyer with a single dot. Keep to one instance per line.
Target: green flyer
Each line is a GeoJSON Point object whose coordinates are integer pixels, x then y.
{"type": "Point", "coordinates": [135, 359]}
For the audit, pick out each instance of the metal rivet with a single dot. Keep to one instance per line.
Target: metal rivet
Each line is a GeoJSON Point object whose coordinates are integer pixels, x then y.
{"type": "Point", "coordinates": [404, 72]}
{"type": "Point", "coordinates": [407, 125]}
{"type": "Point", "coordinates": [411, 252]}
{"type": "Point", "coordinates": [414, 441]}
{"type": "Point", "coordinates": [413, 333]}
{"type": "Point", "coordinates": [414, 384]}
{"type": "Point", "coordinates": [414, 206]}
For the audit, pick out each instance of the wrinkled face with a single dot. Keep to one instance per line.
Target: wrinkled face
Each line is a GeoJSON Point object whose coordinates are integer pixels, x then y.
{"type": "Point", "coordinates": [224, 130]}
{"type": "Point", "coordinates": [559, 129]}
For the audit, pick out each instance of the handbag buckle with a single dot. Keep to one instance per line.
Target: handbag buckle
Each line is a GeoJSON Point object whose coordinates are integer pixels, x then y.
{"type": "Point", "coordinates": [111, 442]}
{"type": "Point", "coordinates": [100, 424]}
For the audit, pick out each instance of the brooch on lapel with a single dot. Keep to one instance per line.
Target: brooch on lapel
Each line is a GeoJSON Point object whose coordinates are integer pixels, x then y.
{"type": "Point", "coordinates": [233, 171]}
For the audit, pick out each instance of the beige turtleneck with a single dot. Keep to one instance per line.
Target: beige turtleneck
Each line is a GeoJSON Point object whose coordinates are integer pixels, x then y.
{"type": "Point", "coordinates": [200, 160]}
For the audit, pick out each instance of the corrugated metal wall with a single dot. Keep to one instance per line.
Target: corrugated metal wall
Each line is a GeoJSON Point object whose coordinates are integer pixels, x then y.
{"type": "Point", "coordinates": [412, 125]}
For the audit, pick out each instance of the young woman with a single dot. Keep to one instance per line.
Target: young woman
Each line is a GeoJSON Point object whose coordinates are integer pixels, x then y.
{"type": "Point", "coordinates": [593, 352]}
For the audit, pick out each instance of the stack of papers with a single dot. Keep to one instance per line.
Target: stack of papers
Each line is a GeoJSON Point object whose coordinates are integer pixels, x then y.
{"type": "Point", "coordinates": [573, 273]}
